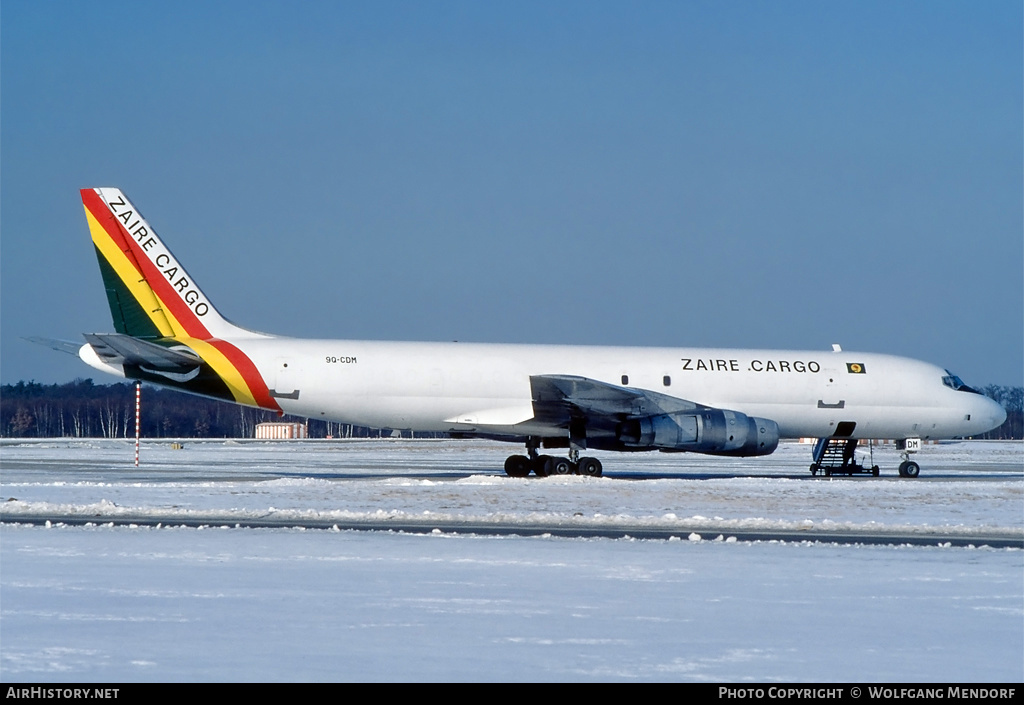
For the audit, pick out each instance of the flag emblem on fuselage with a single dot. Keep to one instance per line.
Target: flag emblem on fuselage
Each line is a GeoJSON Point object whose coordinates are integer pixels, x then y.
{"type": "Point", "coordinates": [856, 368]}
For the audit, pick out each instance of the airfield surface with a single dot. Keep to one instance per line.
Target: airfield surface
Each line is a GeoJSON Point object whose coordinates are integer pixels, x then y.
{"type": "Point", "coordinates": [134, 578]}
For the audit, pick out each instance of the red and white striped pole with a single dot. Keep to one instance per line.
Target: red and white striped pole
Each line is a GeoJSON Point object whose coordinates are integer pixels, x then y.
{"type": "Point", "coordinates": [138, 420]}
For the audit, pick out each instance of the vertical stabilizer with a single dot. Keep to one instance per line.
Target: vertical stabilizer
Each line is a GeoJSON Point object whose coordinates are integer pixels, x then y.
{"type": "Point", "coordinates": [157, 306]}
{"type": "Point", "coordinates": [149, 292]}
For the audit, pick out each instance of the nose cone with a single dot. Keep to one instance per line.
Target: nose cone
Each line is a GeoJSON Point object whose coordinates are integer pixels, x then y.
{"type": "Point", "coordinates": [990, 414]}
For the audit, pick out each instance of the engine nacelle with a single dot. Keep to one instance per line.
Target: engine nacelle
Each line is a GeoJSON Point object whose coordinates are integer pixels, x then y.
{"type": "Point", "coordinates": [706, 430]}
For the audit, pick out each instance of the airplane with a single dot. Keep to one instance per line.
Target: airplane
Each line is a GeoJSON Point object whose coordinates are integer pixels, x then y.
{"type": "Point", "coordinates": [712, 401]}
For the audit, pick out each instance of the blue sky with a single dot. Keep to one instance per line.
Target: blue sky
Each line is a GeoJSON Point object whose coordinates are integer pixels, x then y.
{"type": "Point", "coordinates": [734, 174]}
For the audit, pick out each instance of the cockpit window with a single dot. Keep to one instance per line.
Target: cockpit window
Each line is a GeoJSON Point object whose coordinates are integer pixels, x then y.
{"type": "Point", "coordinates": [954, 382]}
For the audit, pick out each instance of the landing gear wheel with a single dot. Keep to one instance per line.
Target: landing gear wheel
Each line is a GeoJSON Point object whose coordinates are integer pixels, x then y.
{"type": "Point", "coordinates": [814, 470]}
{"type": "Point", "coordinates": [542, 465]}
{"type": "Point", "coordinates": [562, 466]}
{"type": "Point", "coordinates": [908, 468]}
{"type": "Point", "coordinates": [590, 466]}
{"type": "Point", "coordinates": [874, 470]}
{"type": "Point", "coordinates": [517, 466]}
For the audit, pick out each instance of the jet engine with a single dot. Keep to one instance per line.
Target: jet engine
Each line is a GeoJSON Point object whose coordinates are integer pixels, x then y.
{"type": "Point", "coordinates": [705, 430]}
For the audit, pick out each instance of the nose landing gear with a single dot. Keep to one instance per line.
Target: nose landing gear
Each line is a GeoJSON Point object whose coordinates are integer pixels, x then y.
{"type": "Point", "coordinates": [908, 468]}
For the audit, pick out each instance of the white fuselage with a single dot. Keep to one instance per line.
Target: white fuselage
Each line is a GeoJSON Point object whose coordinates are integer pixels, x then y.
{"type": "Point", "coordinates": [485, 388]}
{"type": "Point", "coordinates": [714, 401]}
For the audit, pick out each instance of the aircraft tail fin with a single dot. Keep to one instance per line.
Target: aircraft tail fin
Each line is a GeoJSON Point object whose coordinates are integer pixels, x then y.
{"type": "Point", "coordinates": [168, 332]}
{"type": "Point", "coordinates": [150, 294]}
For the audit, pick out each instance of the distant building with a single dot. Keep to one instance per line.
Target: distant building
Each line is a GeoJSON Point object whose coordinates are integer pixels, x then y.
{"type": "Point", "coordinates": [278, 430]}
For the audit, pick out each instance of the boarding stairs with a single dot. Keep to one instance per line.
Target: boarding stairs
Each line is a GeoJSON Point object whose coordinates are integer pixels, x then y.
{"type": "Point", "coordinates": [835, 456]}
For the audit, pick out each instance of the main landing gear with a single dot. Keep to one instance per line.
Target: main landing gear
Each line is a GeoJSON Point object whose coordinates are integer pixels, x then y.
{"type": "Point", "coordinates": [545, 465]}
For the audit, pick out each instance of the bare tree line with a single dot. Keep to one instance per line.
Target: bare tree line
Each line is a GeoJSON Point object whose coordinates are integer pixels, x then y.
{"type": "Point", "coordinates": [81, 409]}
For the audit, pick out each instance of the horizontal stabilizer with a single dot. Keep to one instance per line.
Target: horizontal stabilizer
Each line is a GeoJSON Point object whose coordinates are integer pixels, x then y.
{"type": "Point", "coordinates": [117, 349]}
{"type": "Point", "coordinates": [65, 346]}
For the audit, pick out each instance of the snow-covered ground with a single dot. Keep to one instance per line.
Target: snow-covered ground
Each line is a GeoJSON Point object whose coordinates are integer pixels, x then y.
{"type": "Point", "coordinates": [125, 603]}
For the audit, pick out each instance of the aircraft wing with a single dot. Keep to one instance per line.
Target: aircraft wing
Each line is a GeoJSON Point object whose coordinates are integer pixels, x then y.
{"type": "Point", "coordinates": [602, 415]}
{"type": "Point", "coordinates": [560, 401]}
{"type": "Point", "coordinates": [565, 397]}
